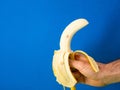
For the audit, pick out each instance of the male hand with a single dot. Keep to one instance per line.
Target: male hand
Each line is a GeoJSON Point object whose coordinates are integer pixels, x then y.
{"type": "Point", "coordinates": [84, 73]}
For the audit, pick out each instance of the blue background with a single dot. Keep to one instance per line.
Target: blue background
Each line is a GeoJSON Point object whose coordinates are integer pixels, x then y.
{"type": "Point", "coordinates": [30, 31]}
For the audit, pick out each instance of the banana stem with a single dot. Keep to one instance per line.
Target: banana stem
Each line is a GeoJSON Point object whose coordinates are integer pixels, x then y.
{"type": "Point", "coordinates": [68, 33]}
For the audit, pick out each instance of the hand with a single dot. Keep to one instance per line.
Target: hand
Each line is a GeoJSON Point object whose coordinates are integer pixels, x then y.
{"type": "Point", "coordinates": [84, 73]}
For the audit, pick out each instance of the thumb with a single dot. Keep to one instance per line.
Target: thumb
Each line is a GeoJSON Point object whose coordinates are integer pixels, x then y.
{"type": "Point", "coordinates": [83, 67]}
{"type": "Point", "coordinates": [80, 62]}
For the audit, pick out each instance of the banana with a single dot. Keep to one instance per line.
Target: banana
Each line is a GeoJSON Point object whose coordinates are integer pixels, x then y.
{"type": "Point", "coordinates": [60, 63]}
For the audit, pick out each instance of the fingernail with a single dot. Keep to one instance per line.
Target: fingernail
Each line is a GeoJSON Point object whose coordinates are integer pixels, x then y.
{"type": "Point", "coordinates": [77, 56]}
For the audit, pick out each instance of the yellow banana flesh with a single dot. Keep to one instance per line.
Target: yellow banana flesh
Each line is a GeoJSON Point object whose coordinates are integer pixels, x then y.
{"type": "Point", "coordinates": [73, 88]}
{"type": "Point", "coordinates": [60, 64]}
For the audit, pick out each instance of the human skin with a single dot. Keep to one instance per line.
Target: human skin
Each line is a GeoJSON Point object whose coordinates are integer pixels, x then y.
{"type": "Point", "coordinates": [83, 72]}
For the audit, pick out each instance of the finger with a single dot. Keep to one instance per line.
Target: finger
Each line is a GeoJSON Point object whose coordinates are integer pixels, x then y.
{"type": "Point", "coordinates": [83, 67]}
{"type": "Point", "coordinates": [79, 77]}
{"type": "Point", "coordinates": [76, 64]}
{"type": "Point", "coordinates": [80, 56]}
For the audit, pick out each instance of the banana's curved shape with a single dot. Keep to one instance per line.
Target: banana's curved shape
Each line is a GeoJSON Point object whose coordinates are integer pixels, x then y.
{"type": "Point", "coordinates": [60, 62]}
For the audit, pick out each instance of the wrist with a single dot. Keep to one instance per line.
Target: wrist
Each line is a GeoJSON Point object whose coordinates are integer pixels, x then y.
{"type": "Point", "coordinates": [111, 74]}
{"type": "Point", "coordinates": [106, 76]}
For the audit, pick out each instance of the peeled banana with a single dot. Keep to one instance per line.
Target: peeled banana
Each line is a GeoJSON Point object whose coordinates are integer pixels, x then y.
{"type": "Point", "coordinates": [60, 64]}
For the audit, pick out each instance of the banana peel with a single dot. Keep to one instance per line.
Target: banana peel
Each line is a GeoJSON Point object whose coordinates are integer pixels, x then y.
{"type": "Point", "coordinates": [60, 63]}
